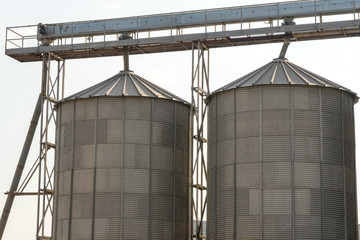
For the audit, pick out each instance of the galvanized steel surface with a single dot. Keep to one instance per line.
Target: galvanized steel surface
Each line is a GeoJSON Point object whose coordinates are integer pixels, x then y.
{"type": "Point", "coordinates": [281, 71]}
{"type": "Point", "coordinates": [122, 168]}
{"type": "Point", "coordinates": [126, 83]}
{"type": "Point", "coordinates": [281, 163]}
{"type": "Point", "coordinates": [197, 18]}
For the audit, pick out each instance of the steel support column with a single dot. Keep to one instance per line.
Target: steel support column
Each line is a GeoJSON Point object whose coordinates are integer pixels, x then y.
{"type": "Point", "coordinates": [52, 90]}
{"type": "Point", "coordinates": [199, 91]}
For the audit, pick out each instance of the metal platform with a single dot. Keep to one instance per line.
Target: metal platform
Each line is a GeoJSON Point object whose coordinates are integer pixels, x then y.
{"type": "Point", "coordinates": [236, 26]}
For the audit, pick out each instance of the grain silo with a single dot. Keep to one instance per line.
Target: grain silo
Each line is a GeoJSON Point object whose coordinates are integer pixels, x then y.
{"type": "Point", "coordinates": [281, 157]}
{"type": "Point", "coordinates": [122, 163]}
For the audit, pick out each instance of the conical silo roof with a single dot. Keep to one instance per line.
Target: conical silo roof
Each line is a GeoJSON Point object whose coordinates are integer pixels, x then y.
{"type": "Point", "coordinates": [125, 84]}
{"type": "Point", "coordinates": [280, 71]}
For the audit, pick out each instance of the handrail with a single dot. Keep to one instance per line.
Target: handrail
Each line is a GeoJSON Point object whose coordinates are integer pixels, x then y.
{"type": "Point", "coordinates": [206, 17]}
{"type": "Point", "coordinates": [27, 43]}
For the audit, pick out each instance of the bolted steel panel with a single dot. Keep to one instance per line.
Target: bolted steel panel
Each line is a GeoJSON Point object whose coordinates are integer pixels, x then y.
{"type": "Point", "coordinates": [123, 166]}
{"type": "Point", "coordinates": [281, 72]}
{"type": "Point", "coordinates": [294, 174]}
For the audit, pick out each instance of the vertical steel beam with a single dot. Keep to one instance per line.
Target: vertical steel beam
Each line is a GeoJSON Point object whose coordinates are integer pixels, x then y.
{"type": "Point", "coordinates": [45, 108]}
{"type": "Point", "coordinates": [52, 90]}
{"type": "Point", "coordinates": [44, 145]}
{"type": "Point", "coordinates": [44, 80]}
{"type": "Point", "coordinates": [72, 169]}
{"type": "Point", "coordinates": [344, 165]}
{"type": "Point", "coordinates": [261, 167]}
{"type": "Point", "coordinates": [174, 175]}
{"type": "Point", "coordinates": [235, 165]}
{"type": "Point", "coordinates": [191, 149]}
{"type": "Point", "coordinates": [151, 167]}
{"type": "Point", "coordinates": [293, 200]}
{"type": "Point", "coordinates": [199, 92]}
{"type": "Point", "coordinates": [122, 167]}
{"type": "Point", "coordinates": [57, 178]}
{"type": "Point", "coordinates": [216, 170]}
{"type": "Point", "coordinates": [320, 110]}
{"type": "Point", "coordinates": [94, 169]}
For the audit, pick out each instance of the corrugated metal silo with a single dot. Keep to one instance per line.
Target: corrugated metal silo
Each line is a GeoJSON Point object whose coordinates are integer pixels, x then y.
{"type": "Point", "coordinates": [122, 163]}
{"type": "Point", "coordinates": [281, 157]}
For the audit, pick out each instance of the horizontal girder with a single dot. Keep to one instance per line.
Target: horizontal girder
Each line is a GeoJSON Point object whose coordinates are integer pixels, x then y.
{"type": "Point", "coordinates": [208, 17]}
{"type": "Point", "coordinates": [116, 35]}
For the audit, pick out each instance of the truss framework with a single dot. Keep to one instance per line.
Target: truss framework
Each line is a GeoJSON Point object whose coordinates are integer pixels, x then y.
{"type": "Point", "coordinates": [200, 90]}
{"type": "Point", "coordinates": [235, 26]}
{"type": "Point", "coordinates": [52, 91]}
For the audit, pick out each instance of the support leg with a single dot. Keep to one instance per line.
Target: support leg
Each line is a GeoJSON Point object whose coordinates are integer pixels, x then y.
{"type": "Point", "coordinates": [20, 166]}
{"type": "Point", "coordinates": [200, 91]}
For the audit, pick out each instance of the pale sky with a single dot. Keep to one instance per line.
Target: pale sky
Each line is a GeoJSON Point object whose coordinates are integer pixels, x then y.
{"type": "Point", "coordinates": [337, 60]}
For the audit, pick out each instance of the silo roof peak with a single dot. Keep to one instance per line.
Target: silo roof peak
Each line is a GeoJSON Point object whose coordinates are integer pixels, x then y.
{"type": "Point", "coordinates": [126, 84]}
{"type": "Point", "coordinates": [281, 71]}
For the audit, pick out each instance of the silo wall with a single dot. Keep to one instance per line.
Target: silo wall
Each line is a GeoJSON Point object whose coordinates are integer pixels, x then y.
{"type": "Point", "coordinates": [122, 169]}
{"type": "Point", "coordinates": [281, 164]}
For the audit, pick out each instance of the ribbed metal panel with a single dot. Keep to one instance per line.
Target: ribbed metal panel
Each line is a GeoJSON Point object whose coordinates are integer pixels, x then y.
{"type": "Point", "coordinates": [281, 160]}
{"type": "Point", "coordinates": [279, 72]}
{"type": "Point", "coordinates": [125, 83]}
{"type": "Point", "coordinates": [122, 169]}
